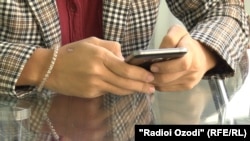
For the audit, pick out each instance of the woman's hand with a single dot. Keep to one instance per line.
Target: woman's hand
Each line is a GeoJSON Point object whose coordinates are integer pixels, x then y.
{"type": "Point", "coordinates": [92, 67]}
{"type": "Point", "coordinates": [186, 72]}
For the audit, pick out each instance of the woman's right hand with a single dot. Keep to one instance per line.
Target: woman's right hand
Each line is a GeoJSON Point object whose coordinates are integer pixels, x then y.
{"type": "Point", "coordinates": [92, 67]}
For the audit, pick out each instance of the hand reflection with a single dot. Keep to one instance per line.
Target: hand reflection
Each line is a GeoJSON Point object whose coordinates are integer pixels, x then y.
{"type": "Point", "coordinates": [182, 107]}
{"type": "Point", "coordinates": [99, 119]}
{"type": "Point", "coordinates": [78, 119]}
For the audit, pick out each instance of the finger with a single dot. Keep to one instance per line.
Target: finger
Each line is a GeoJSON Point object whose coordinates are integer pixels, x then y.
{"type": "Point", "coordinates": [129, 88]}
{"type": "Point", "coordinates": [167, 78]}
{"type": "Point", "coordinates": [128, 71]}
{"type": "Point", "coordinates": [171, 66]}
{"type": "Point", "coordinates": [111, 88]}
{"type": "Point", "coordinates": [173, 36]}
{"type": "Point", "coordinates": [99, 87]}
{"type": "Point", "coordinates": [123, 85]}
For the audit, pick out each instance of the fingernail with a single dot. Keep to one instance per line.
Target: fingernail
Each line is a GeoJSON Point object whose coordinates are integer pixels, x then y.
{"type": "Point", "coordinates": [154, 69]}
{"type": "Point", "coordinates": [150, 78]}
{"type": "Point", "coordinates": [151, 90]}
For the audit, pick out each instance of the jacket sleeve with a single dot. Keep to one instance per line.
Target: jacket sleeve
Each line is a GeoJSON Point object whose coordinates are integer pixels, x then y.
{"type": "Point", "coordinates": [12, 60]}
{"type": "Point", "coordinates": [24, 26]}
{"type": "Point", "coordinates": [221, 25]}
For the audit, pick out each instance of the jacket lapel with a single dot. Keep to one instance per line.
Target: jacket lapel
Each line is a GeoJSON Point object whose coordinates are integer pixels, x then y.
{"type": "Point", "coordinates": [115, 13]}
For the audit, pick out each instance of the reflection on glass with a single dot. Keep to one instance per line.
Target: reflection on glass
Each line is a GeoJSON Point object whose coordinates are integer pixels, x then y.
{"type": "Point", "coordinates": [40, 117]}
{"type": "Point", "coordinates": [14, 122]}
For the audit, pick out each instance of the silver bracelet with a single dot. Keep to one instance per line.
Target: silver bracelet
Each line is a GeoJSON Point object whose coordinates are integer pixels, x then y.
{"type": "Point", "coordinates": [46, 76]}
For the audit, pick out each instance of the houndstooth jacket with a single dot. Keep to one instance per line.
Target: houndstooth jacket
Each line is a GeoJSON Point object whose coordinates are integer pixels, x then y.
{"type": "Point", "coordinates": [26, 25]}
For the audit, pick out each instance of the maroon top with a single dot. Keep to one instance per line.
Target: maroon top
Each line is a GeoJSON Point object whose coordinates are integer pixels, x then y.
{"type": "Point", "coordinates": [80, 19]}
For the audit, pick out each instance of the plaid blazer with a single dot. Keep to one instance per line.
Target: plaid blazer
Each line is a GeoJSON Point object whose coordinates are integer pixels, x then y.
{"type": "Point", "coordinates": [29, 24]}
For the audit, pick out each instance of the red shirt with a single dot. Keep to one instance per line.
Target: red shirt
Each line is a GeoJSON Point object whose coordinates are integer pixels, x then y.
{"type": "Point", "coordinates": [80, 19]}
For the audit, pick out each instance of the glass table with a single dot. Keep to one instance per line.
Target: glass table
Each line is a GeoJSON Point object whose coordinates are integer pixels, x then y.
{"type": "Point", "coordinates": [112, 118]}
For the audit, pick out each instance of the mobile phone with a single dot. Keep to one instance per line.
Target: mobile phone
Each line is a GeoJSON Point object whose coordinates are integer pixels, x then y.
{"type": "Point", "coordinates": [145, 58]}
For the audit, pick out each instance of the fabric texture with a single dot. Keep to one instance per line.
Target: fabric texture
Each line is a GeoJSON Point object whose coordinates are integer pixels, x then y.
{"type": "Point", "coordinates": [26, 25]}
{"type": "Point", "coordinates": [79, 19]}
